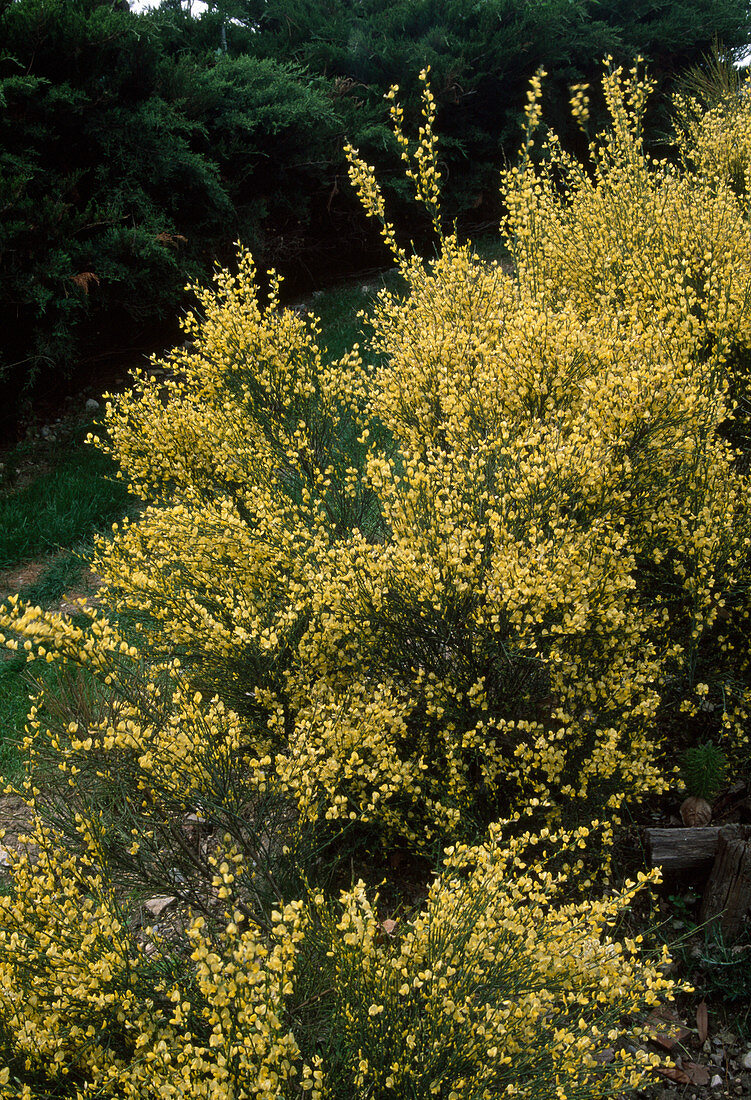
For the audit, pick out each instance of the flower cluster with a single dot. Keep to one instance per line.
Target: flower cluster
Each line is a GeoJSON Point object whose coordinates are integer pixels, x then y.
{"type": "Point", "coordinates": [91, 1010]}
{"type": "Point", "coordinates": [495, 988]}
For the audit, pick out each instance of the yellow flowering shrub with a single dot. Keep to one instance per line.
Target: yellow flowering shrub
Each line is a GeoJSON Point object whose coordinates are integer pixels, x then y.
{"type": "Point", "coordinates": [483, 567]}
{"type": "Point", "coordinates": [495, 988]}
{"type": "Point", "coordinates": [664, 252]}
{"type": "Point", "coordinates": [636, 239]}
{"type": "Point", "coordinates": [90, 1009]}
{"type": "Point", "coordinates": [713, 128]}
{"type": "Point", "coordinates": [139, 772]}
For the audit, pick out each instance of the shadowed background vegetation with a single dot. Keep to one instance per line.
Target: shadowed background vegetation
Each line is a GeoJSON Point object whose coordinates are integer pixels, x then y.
{"type": "Point", "coordinates": [136, 148]}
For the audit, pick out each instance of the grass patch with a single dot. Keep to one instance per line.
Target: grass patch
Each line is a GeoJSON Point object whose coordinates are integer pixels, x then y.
{"type": "Point", "coordinates": [338, 307]}
{"type": "Point", "coordinates": [15, 689]}
{"type": "Point", "coordinates": [64, 573]}
{"type": "Point", "coordinates": [54, 496]}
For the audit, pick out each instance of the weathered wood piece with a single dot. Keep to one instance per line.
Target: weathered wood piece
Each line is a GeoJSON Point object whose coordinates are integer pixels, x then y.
{"type": "Point", "coordinates": [727, 896]}
{"type": "Point", "coordinates": [692, 849]}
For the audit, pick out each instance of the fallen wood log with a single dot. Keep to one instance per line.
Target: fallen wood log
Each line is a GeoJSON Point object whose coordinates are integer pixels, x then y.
{"type": "Point", "coordinates": [727, 896]}
{"type": "Point", "coordinates": [690, 849]}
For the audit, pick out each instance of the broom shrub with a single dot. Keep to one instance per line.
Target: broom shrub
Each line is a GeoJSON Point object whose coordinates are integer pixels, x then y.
{"type": "Point", "coordinates": [464, 588]}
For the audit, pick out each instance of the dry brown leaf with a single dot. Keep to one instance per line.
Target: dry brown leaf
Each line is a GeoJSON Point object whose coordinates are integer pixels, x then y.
{"type": "Point", "coordinates": [665, 1027]}
{"type": "Point", "coordinates": [84, 279]}
{"type": "Point", "coordinates": [674, 1074]}
{"type": "Point", "coordinates": [702, 1021]}
{"type": "Point", "coordinates": [698, 1075]}
{"type": "Point", "coordinates": [388, 926]}
{"type": "Point", "coordinates": [171, 239]}
{"type": "Point", "coordinates": [695, 811]}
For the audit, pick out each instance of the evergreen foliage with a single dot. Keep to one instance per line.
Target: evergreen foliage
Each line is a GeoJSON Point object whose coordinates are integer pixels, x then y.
{"type": "Point", "coordinates": [97, 171]}
{"type": "Point", "coordinates": [703, 769]}
{"type": "Point", "coordinates": [125, 170]}
{"type": "Point", "coordinates": [482, 56]}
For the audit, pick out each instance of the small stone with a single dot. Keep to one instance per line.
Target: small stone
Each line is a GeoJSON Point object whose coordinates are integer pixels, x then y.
{"type": "Point", "coordinates": [746, 1060]}
{"type": "Point", "coordinates": [156, 906]}
{"type": "Point", "coordinates": [716, 1082]}
{"type": "Point", "coordinates": [92, 405]}
{"type": "Point", "coordinates": [4, 858]}
{"type": "Point", "coordinates": [695, 811]}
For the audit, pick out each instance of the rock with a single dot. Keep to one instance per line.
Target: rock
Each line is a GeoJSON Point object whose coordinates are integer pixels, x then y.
{"type": "Point", "coordinates": [725, 1038]}
{"type": "Point", "coordinates": [695, 811]}
{"type": "Point", "coordinates": [4, 858]}
{"type": "Point", "coordinates": [156, 906]}
{"type": "Point", "coordinates": [746, 1060]}
{"type": "Point", "coordinates": [92, 405]}
{"type": "Point", "coordinates": [716, 1082]}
